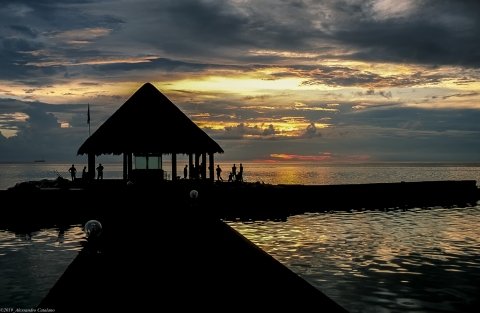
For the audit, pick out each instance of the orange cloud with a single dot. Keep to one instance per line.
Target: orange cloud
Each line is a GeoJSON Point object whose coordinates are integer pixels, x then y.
{"type": "Point", "coordinates": [97, 61]}
{"type": "Point", "coordinates": [326, 157]}
{"type": "Point", "coordinates": [297, 157]}
{"type": "Point", "coordinates": [264, 161]}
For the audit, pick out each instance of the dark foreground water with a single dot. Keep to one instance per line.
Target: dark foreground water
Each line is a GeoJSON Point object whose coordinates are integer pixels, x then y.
{"type": "Point", "coordinates": [419, 260]}
{"type": "Point", "coordinates": [32, 261]}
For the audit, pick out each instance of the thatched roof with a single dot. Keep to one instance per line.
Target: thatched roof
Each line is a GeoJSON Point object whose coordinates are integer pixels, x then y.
{"type": "Point", "coordinates": [149, 123]}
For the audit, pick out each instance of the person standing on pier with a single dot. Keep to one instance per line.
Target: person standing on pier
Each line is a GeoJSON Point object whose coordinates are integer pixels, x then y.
{"type": "Point", "coordinates": [185, 172]}
{"type": "Point", "coordinates": [240, 173]}
{"type": "Point", "coordinates": [100, 171]}
{"type": "Point", "coordinates": [73, 172]}
{"type": "Point", "coordinates": [84, 173]}
{"type": "Point", "coordinates": [219, 173]}
{"type": "Point", "coordinates": [234, 171]}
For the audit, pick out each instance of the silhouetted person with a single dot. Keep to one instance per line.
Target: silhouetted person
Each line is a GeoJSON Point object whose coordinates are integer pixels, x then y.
{"type": "Point", "coordinates": [185, 172]}
{"type": "Point", "coordinates": [230, 177]}
{"type": "Point", "coordinates": [219, 173]}
{"type": "Point", "coordinates": [234, 171]}
{"type": "Point", "coordinates": [100, 171]}
{"type": "Point", "coordinates": [84, 173]}
{"type": "Point", "coordinates": [240, 173]}
{"type": "Point", "coordinates": [73, 172]}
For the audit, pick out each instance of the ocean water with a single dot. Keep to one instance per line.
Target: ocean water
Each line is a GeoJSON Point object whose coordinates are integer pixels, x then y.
{"type": "Point", "coordinates": [272, 173]}
{"type": "Point", "coordinates": [32, 261]}
{"type": "Point", "coordinates": [419, 260]}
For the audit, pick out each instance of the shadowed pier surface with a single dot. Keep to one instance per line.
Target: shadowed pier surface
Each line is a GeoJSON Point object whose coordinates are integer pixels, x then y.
{"type": "Point", "coordinates": [181, 261]}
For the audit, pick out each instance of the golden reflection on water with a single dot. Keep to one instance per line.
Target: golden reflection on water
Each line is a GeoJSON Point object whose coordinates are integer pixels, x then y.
{"type": "Point", "coordinates": [321, 173]}
{"type": "Point", "coordinates": [295, 174]}
{"type": "Point", "coordinates": [352, 255]}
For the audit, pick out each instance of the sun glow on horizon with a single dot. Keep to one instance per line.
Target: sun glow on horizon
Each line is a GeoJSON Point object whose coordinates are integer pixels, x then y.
{"type": "Point", "coordinates": [242, 84]}
{"type": "Point", "coordinates": [321, 157]}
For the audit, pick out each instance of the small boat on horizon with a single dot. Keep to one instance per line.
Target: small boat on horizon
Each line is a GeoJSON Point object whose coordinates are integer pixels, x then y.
{"type": "Point", "coordinates": [42, 160]}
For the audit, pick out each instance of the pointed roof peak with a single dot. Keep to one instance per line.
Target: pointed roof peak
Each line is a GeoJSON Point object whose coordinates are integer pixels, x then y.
{"type": "Point", "coordinates": [148, 84]}
{"type": "Point", "coordinates": [148, 122]}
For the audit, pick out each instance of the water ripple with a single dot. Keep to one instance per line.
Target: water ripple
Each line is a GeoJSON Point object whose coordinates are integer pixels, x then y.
{"type": "Point", "coordinates": [420, 259]}
{"type": "Point", "coordinates": [31, 263]}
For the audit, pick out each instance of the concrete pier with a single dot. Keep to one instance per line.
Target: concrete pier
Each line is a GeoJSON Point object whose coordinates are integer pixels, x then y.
{"type": "Point", "coordinates": [228, 201]}
{"type": "Point", "coordinates": [182, 262]}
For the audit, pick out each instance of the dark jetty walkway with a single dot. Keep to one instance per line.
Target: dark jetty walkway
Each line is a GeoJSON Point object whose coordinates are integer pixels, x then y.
{"type": "Point", "coordinates": [180, 263]}
{"type": "Point", "coordinates": [230, 201]}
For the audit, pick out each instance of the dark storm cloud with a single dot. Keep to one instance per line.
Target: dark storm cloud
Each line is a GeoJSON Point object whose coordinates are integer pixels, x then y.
{"type": "Point", "coordinates": [189, 28]}
{"type": "Point", "coordinates": [371, 92]}
{"type": "Point", "coordinates": [39, 120]}
{"type": "Point", "coordinates": [70, 75]}
{"type": "Point", "coordinates": [30, 38]}
{"type": "Point", "coordinates": [348, 77]}
{"type": "Point", "coordinates": [403, 118]}
{"type": "Point", "coordinates": [311, 131]}
{"type": "Point", "coordinates": [461, 95]}
{"type": "Point", "coordinates": [240, 130]}
{"type": "Point", "coordinates": [406, 134]}
{"type": "Point", "coordinates": [217, 30]}
{"type": "Point", "coordinates": [164, 64]}
{"type": "Point", "coordinates": [14, 55]}
{"type": "Point", "coordinates": [45, 9]}
{"type": "Point", "coordinates": [431, 32]}
{"type": "Point", "coordinates": [41, 130]}
{"type": "Point", "coordinates": [25, 30]}
{"type": "Point", "coordinates": [12, 105]}
{"type": "Point", "coordinates": [200, 35]}
{"type": "Point", "coordinates": [436, 32]}
{"type": "Point", "coordinates": [40, 115]}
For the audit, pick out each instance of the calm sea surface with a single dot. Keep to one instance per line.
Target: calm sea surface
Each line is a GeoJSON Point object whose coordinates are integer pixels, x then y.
{"type": "Point", "coordinates": [419, 260]}
{"type": "Point", "coordinates": [273, 173]}
{"type": "Point", "coordinates": [32, 261]}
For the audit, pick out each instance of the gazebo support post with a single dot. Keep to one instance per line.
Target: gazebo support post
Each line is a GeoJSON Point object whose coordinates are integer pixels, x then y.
{"type": "Point", "coordinates": [125, 166]}
{"type": "Point", "coordinates": [211, 166]}
{"type": "Point", "coordinates": [91, 165]}
{"type": "Point", "coordinates": [204, 166]}
{"type": "Point", "coordinates": [190, 163]}
{"type": "Point", "coordinates": [197, 158]}
{"type": "Point", "coordinates": [174, 166]}
{"type": "Point", "coordinates": [130, 166]}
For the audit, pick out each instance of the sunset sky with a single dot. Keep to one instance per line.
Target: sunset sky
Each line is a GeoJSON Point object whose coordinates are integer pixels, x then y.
{"type": "Point", "coordinates": [329, 80]}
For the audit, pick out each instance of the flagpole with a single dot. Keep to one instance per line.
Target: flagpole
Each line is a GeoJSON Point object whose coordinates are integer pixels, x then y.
{"type": "Point", "coordinates": [88, 119]}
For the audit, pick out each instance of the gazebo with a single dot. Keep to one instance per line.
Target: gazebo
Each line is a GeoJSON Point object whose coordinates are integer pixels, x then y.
{"type": "Point", "coordinates": [146, 127]}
